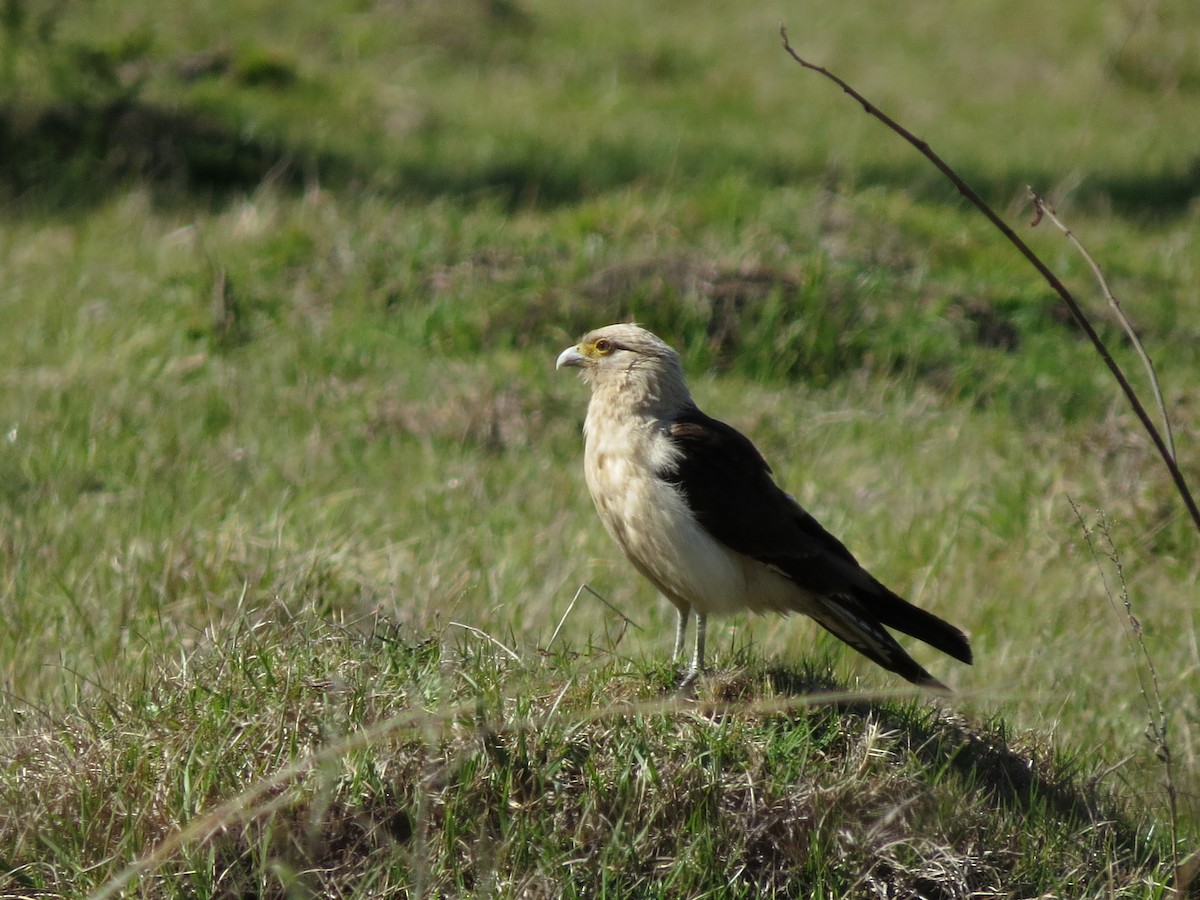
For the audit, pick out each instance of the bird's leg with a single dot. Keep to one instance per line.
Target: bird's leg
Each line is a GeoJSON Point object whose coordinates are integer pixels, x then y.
{"type": "Point", "coordinates": [685, 613]}
{"type": "Point", "coordinates": [698, 656]}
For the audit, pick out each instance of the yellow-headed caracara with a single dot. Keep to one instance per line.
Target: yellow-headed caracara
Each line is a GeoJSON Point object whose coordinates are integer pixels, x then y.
{"type": "Point", "coordinates": [692, 504]}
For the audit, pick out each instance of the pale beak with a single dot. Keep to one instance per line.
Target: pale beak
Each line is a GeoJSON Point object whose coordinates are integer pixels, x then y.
{"type": "Point", "coordinates": [570, 357]}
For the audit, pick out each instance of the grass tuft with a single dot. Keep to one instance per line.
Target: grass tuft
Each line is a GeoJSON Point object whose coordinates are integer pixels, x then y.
{"type": "Point", "coordinates": [490, 773]}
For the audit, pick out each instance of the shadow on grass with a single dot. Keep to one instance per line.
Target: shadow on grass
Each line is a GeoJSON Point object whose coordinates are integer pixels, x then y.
{"type": "Point", "coordinates": [1163, 195]}
{"type": "Point", "coordinates": [68, 157]}
{"type": "Point", "coordinates": [1028, 784]}
{"type": "Point", "coordinates": [71, 156]}
{"type": "Point", "coordinates": [1159, 195]}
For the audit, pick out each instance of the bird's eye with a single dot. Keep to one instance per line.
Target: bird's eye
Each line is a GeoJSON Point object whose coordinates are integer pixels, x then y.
{"type": "Point", "coordinates": [604, 345]}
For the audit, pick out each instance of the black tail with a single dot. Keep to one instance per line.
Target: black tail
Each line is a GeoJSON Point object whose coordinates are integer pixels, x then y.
{"type": "Point", "coordinates": [896, 612]}
{"type": "Point", "coordinates": [852, 621]}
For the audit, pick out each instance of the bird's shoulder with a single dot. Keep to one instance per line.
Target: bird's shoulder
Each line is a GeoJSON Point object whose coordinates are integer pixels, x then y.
{"type": "Point", "coordinates": [708, 443]}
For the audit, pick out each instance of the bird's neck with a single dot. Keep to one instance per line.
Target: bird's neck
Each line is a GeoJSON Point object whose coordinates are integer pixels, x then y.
{"type": "Point", "coordinates": [644, 396]}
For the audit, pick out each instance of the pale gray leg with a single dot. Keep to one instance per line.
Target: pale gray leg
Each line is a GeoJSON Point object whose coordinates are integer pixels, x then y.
{"type": "Point", "coordinates": [681, 630]}
{"type": "Point", "coordinates": [701, 633]}
{"type": "Point", "coordinates": [698, 656]}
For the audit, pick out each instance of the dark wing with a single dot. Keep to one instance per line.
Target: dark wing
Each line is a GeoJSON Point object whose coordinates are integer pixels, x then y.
{"type": "Point", "coordinates": [728, 486]}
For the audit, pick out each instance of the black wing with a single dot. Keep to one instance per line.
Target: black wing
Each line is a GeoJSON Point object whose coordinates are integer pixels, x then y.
{"type": "Point", "coordinates": [728, 486]}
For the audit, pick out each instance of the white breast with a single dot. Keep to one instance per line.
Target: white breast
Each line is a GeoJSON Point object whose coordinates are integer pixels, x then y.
{"type": "Point", "coordinates": [652, 524]}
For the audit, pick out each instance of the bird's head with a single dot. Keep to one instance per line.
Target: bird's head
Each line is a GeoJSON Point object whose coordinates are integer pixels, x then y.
{"type": "Point", "coordinates": [624, 356]}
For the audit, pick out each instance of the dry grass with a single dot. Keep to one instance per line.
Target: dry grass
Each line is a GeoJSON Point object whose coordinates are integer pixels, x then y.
{"type": "Point", "coordinates": [485, 773]}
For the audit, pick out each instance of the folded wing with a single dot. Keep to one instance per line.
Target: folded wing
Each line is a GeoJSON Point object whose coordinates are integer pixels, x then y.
{"type": "Point", "coordinates": [729, 488]}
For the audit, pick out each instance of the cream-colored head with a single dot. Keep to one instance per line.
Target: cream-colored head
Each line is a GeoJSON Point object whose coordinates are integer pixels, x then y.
{"type": "Point", "coordinates": [629, 359]}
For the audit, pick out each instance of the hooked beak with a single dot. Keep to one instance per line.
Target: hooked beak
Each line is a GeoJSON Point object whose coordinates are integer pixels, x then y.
{"type": "Point", "coordinates": [570, 357]}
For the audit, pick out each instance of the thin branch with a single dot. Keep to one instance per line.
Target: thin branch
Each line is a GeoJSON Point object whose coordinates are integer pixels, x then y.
{"type": "Point", "coordinates": [587, 587]}
{"type": "Point", "coordinates": [479, 632]}
{"type": "Point", "coordinates": [570, 606]}
{"type": "Point", "coordinates": [1156, 711]}
{"type": "Point", "coordinates": [1044, 209]}
{"type": "Point", "coordinates": [1059, 288]}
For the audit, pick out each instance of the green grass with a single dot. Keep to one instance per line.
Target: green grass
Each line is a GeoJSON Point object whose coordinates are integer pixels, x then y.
{"type": "Point", "coordinates": [447, 768]}
{"type": "Point", "coordinates": [279, 302]}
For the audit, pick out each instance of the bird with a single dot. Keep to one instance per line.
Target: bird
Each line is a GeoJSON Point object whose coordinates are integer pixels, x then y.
{"type": "Point", "coordinates": [695, 508]}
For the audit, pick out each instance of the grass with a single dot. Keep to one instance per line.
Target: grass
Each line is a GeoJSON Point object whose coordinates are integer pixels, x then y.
{"type": "Point", "coordinates": [483, 773]}
{"type": "Point", "coordinates": [278, 422]}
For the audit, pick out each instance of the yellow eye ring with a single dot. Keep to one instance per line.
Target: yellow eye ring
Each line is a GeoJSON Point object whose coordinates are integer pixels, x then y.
{"type": "Point", "coordinates": [604, 345]}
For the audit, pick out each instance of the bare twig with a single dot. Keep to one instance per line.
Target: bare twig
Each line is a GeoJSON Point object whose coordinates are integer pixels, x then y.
{"type": "Point", "coordinates": [625, 620]}
{"type": "Point", "coordinates": [1059, 288]}
{"type": "Point", "coordinates": [1044, 209]}
{"type": "Point", "coordinates": [570, 606]}
{"type": "Point", "coordinates": [628, 621]}
{"type": "Point", "coordinates": [1157, 728]}
{"type": "Point", "coordinates": [479, 632]}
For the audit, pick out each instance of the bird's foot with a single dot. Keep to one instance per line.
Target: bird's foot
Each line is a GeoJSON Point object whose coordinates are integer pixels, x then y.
{"type": "Point", "coordinates": [689, 679]}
